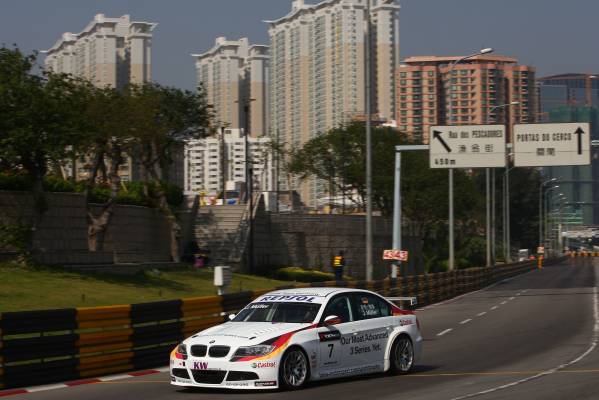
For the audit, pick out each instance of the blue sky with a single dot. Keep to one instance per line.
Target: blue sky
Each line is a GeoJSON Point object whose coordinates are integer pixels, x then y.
{"type": "Point", "coordinates": [553, 35]}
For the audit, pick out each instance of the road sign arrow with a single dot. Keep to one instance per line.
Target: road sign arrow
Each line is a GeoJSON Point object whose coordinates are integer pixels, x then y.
{"type": "Point", "coordinates": [579, 132]}
{"type": "Point", "coordinates": [437, 135]}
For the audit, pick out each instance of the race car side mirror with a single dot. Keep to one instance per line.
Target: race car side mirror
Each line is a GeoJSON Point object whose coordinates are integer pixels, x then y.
{"type": "Point", "coordinates": [332, 320]}
{"type": "Point", "coordinates": [231, 317]}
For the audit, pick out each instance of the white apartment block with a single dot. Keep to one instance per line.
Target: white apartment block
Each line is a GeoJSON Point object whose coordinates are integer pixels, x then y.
{"type": "Point", "coordinates": [111, 52]}
{"type": "Point", "coordinates": [108, 52]}
{"type": "Point", "coordinates": [203, 162]}
{"type": "Point", "coordinates": [317, 71]}
{"type": "Point", "coordinates": [232, 72]}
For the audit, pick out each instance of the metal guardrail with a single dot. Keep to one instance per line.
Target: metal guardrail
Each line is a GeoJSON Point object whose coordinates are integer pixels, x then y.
{"type": "Point", "coordinates": [40, 347]}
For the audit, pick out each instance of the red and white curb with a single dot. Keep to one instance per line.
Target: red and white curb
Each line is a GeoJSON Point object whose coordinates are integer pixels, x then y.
{"type": "Point", "coordinates": [42, 388]}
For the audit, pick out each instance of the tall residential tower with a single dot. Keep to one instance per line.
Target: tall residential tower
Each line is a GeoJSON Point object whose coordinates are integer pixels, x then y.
{"type": "Point", "coordinates": [108, 52]}
{"type": "Point", "coordinates": [234, 74]}
{"type": "Point", "coordinates": [317, 70]}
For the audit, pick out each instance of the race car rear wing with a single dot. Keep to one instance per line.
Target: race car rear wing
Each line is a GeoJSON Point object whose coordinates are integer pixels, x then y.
{"type": "Point", "coordinates": [411, 301]}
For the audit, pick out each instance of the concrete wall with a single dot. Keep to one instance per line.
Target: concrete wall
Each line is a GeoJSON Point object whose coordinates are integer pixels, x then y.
{"type": "Point", "coordinates": [135, 234]}
{"type": "Point", "coordinates": [311, 241]}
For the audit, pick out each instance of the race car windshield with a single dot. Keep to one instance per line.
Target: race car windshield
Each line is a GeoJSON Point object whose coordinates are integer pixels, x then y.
{"type": "Point", "coordinates": [278, 312]}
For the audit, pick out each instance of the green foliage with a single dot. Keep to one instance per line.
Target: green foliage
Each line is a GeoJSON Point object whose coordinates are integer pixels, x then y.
{"type": "Point", "coordinates": [17, 237]}
{"type": "Point", "coordinates": [133, 193]}
{"type": "Point", "coordinates": [19, 181]}
{"type": "Point", "coordinates": [304, 275]}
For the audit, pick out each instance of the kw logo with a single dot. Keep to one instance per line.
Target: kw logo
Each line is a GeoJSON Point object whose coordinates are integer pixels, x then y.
{"type": "Point", "coordinates": [200, 365]}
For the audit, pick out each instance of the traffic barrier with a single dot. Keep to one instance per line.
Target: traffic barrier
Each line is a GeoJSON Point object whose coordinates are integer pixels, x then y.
{"type": "Point", "coordinates": [39, 347]}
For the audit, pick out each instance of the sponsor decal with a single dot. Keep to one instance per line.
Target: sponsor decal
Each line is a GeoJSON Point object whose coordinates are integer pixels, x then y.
{"type": "Point", "coordinates": [328, 336]}
{"type": "Point", "coordinates": [180, 380]}
{"type": "Point", "coordinates": [351, 371]}
{"type": "Point", "coordinates": [259, 306]}
{"type": "Point", "coordinates": [265, 364]}
{"type": "Point", "coordinates": [238, 384]}
{"type": "Point", "coordinates": [295, 297]}
{"type": "Point", "coordinates": [404, 322]}
{"type": "Point", "coordinates": [365, 337]}
{"type": "Point", "coordinates": [201, 365]}
{"type": "Point", "coordinates": [265, 383]}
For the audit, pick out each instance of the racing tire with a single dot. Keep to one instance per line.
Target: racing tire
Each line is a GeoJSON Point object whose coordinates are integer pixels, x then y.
{"type": "Point", "coordinates": [294, 369]}
{"type": "Point", "coordinates": [401, 358]}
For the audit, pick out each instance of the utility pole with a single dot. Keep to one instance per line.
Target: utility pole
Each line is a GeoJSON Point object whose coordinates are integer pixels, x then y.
{"type": "Point", "coordinates": [223, 164]}
{"type": "Point", "coordinates": [368, 37]}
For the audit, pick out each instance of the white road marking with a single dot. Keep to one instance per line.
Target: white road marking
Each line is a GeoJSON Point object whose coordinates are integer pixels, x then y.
{"type": "Point", "coordinates": [480, 314]}
{"type": "Point", "coordinates": [46, 387]}
{"type": "Point", "coordinates": [594, 342]}
{"type": "Point", "coordinates": [163, 369]}
{"type": "Point", "coordinates": [512, 298]}
{"type": "Point", "coordinates": [465, 321]}
{"type": "Point", "coordinates": [444, 332]}
{"type": "Point", "coordinates": [503, 302]}
{"type": "Point", "coordinates": [494, 307]}
{"type": "Point", "coordinates": [114, 378]}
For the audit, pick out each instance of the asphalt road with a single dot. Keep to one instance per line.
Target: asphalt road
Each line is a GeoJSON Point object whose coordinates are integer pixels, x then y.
{"type": "Point", "coordinates": [532, 337]}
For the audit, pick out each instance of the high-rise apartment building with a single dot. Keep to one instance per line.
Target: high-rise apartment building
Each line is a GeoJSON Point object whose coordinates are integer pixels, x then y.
{"type": "Point", "coordinates": [108, 52]}
{"type": "Point", "coordinates": [111, 52]}
{"type": "Point", "coordinates": [204, 160]}
{"type": "Point", "coordinates": [235, 75]}
{"type": "Point", "coordinates": [317, 70]}
{"type": "Point", "coordinates": [429, 91]}
{"type": "Point", "coordinates": [573, 98]}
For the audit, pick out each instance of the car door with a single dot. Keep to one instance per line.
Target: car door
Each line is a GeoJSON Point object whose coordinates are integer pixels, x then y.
{"type": "Point", "coordinates": [335, 339]}
{"type": "Point", "coordinates": [373, 327]}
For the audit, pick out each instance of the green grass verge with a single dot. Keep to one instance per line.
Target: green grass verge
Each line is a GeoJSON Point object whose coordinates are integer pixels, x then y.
{"type": "Point", "coordinates": [36, 288]}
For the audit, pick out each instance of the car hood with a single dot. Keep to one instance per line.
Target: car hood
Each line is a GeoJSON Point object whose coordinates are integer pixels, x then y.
{"type": "Point", "coordinates": [243, 333]}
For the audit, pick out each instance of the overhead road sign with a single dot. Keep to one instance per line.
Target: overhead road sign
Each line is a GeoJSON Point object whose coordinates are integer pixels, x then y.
{"type": "Point", "coordinates": [543, 145]}
{"type": "Point", "coordinates": [467, 146]}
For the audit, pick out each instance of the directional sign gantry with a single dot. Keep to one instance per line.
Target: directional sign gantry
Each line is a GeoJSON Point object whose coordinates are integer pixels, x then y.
{"type": "Point", "coordinates": [467, 146]}
{"type": "Point", "coordinates": [539, 145]}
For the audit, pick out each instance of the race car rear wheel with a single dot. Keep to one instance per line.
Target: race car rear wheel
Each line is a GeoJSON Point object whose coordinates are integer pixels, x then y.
{"type": "Point", "coordinates": [294, 369]}
{"type": "Point", "coordinates": [402, 355]}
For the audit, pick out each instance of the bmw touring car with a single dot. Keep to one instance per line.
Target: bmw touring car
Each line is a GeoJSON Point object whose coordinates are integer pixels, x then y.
{"type": "Point", "coordinates": [287, 338]}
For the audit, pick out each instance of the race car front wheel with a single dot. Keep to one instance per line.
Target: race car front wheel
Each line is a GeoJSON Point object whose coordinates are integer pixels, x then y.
{"type": "Point", "coordinates": [294, 369]}
{"type": "Point", "coordinates": [402, 355]}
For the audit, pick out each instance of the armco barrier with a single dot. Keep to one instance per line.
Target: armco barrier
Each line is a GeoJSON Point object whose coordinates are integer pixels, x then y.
{"type": "Point", "coordinates": [39, 347]}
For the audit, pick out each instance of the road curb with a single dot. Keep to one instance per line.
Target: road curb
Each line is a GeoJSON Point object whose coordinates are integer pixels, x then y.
{"type": "Point", "coordinates": [108, 378]}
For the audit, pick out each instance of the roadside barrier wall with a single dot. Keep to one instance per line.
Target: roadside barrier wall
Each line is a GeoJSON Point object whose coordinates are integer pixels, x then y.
{"type": "Point", "coordinates": [47, 346]}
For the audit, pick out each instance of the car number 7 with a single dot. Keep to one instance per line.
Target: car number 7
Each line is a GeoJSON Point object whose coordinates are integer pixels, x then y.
{"type": "Point", "coordinates": [331, 345]}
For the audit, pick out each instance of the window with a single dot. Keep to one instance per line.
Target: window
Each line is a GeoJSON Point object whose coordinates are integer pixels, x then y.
{"type": "Point", "coordinates": [369, 306]}
{"type": "Point", "coordinates": [403, 74]}
{"type": "Point", "coordinates": [431, 73]}
{"type": "Point", "coordinates": [298, 313]}
{"type": "Point", "coordinates": [341, 307]}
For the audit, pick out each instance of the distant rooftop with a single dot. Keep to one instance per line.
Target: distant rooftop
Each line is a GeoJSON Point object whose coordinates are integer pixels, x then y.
{"type": "Point", "coordinates": [449, 59]}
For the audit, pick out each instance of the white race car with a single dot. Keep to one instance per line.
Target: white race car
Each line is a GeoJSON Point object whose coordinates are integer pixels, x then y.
{"type": "Point", "coordinates": [289, 337]}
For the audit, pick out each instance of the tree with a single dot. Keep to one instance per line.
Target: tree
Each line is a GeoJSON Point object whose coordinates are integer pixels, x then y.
{"type": "Point", "coordinates": [164, 118]}
{"type": "Point", "coordinates": [339, 156]}
{"type": "Point", "coordinates": [111, 126]}
{"type": "Point", "coordinates": [40, 119]}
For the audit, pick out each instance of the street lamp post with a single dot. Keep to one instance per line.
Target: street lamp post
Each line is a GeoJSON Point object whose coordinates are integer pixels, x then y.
{"type": "Point", "coordinates": [223, 164]}
{"type": "Point", "coordinates": [506, 194]}
{"type": "Point", "coordinates": [541, 186]}
{"type": "Point", "coordinates": [546, 217]}
{"type": "Point", "coordinates": [367, 83]}
{"type": "Point", "coordinates": [450, 171]}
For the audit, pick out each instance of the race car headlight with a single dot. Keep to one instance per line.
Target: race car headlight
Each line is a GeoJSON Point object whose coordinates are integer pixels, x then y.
{"type": "Point", "coordinates": [181, 352]}
{"type": "Point", "coordinates": [258, 350]}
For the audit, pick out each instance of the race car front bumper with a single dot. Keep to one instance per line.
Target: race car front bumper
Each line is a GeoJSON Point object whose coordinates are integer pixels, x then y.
{"type": "Point", "coordinates": [209, 373]}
